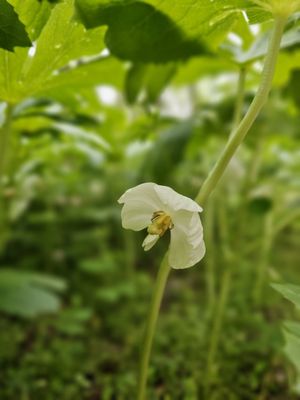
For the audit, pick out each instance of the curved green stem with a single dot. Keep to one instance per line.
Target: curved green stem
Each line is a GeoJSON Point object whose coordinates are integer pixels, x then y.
{"type": "Point", "coordinates": [158, 292]}
{"type": "Point", "coordinates": [240, 97]}
{"type": "Point", "coordinates": [258, 102]}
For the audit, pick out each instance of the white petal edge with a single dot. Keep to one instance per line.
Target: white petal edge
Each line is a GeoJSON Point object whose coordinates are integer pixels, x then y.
{"type": "Point", "coordinates": [140, 202]}
{"type": "Point", "coordinates": [187, 247]}
{"type": "Point", "coordinates": [145, 192]}
{"type": "Point", "coordinates": [150, 241]}
{"type": "Point", "coordinates": [175, 201]}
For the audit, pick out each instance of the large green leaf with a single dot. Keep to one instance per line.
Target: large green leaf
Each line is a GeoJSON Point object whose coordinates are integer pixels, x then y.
{"type": "Point", "coordinates": [12, 31]}
{"type": "Point", "coordinates": [61, 40]}
{"type": "Point", "coordinates": [103, 71]}
{"type": "Point", "coordinates": [29, 294]}
{"type": "Point", "coordinates": [160, 31]}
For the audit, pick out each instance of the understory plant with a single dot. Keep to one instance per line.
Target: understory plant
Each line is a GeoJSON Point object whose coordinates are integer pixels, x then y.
{"type": "Point", "coordinates": [88, 90]}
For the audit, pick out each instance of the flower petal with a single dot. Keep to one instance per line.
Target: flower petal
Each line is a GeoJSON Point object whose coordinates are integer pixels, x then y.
{"type": "Point", "coordinates": [145, 193]}
{"type": "Point", "coordinates": [187, 246]}
{"type": "Point", "coordinates": [150, 241]}
{"type": "Point", "coordinates": [175, 201]}
{"type": "Point", "coordinates": [140, 204]}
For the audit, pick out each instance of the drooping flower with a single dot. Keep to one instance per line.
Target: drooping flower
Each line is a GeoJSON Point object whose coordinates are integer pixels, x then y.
{"type": "Point", "coordinates": [159, 208]}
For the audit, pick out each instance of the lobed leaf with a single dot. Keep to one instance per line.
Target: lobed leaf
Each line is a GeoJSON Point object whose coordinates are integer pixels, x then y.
{"type": "Point", "coordinates": [12, 30]}
{"type": "Point", "coordinates": [160, 31]}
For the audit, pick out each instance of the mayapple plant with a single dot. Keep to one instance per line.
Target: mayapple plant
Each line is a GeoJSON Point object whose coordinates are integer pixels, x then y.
{"type": "Point", "coordinates": [159, 208]}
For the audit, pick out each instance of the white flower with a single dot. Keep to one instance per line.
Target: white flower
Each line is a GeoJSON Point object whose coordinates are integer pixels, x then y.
{"type": "Point", "coordinates": [160, 208]}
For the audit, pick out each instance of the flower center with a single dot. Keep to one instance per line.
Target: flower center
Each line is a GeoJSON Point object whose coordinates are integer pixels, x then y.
{"type": "Point", "coordinates": [161, 222]}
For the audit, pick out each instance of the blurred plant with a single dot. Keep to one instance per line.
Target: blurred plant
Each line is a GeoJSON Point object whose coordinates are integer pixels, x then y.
{"type": "Point", "coordinates": [81, 127]}
{"type": "Point", "coordinates": [291, 329]}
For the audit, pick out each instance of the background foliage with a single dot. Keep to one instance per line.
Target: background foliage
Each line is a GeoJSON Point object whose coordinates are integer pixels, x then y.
{"type": "Point", "coordinates": [96, 97]}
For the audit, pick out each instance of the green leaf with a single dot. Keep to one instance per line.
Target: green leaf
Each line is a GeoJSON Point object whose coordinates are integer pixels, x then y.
{"type": "Point", "coordinates": [149, 79]}
{"type": "Point", "coordinates": [169, 149]}
{"type": "Point", "coordinates": [260, 205]}
{"type": "Point", "coordinates": [257, 15]}
{"type": "Point", "coordinates": [72, 321]}
{"type": "Point", "coordinates": [259, 48]}
{"type": "Point", "coordinates": [98, 266]}
{"type": "Point", "coordinates": [27, 301]}
{"type": "Point", "coordinates": [158, 39]}
{"type": "Point", "coordinates": [294, 86]}
{"type": "Point", "coordinates": [61, 41]}
{"type": "Point", "coordinates": [107, 71]}
{"type": "Point", "coordinates": [33, 14]}
{"type": "Point", "coordinates": [287, 63]}
{"type": "Point", "coordinates": [156, 31]}
{"type": "Point", "coordinates": [292, 346]}
{"type": "Point", "coordinates": [293, 327]}
{"type": "Point", "coordinates": [29, 294]}
{"type": "Point", "coordinates": [195, 68]}
{"type": "Point", "coordinates": [12, 31]}
{"type": "Point", "coordinates": [289, 291]}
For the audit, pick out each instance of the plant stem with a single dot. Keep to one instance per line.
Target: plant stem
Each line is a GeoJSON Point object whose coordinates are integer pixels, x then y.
{"type": "Point", "coordinates": [4, 142]}
{"type": "Point", "coordinates": [258, 102]}
{"type": "Point", "coordinates": [240, 97]}
{"type": "Point", "coordinates": [250, 178]}
{"type": "Point", "coordinates": [4, 138]}
{"type": "Point", "coordinates": [159, 288]}
{"type": "Point", "coordinates": [209, 220]}
{"type": "Point", "coordinates": [217, 327]}
{"type": "Point", "coordinates": [223, 298]}
{"type": "Point", "coordinates": [227, 255]}
{"type": "Point", "coordinates": [263, 262]}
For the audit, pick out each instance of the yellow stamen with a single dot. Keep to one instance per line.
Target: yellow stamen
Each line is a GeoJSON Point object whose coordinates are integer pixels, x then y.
{"type": "Point", "coordinates": [161, 222]}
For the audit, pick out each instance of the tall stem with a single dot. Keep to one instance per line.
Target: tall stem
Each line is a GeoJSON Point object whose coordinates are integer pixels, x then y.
{"type": "Point", "coordinates": [250, 178]}
{"type": "Point", "coordinates": [217, 328]}
{"type": "Point", "coordinates": [240, 97]}
{"type": "Point", "coordinates": [220, 307]}
{"type": "Point", "coordinates": [4, 141]}
{"type": "Point", "coordinates": [258, 102]}
{"type": "Point", "coordinates": [4, 138]}
{"type": "Point", "coordinates": [262, 265]}
{"type": "Point", "coordinates": [209, 220]}
{"type": "Point", "coordinates": [159, 288]}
